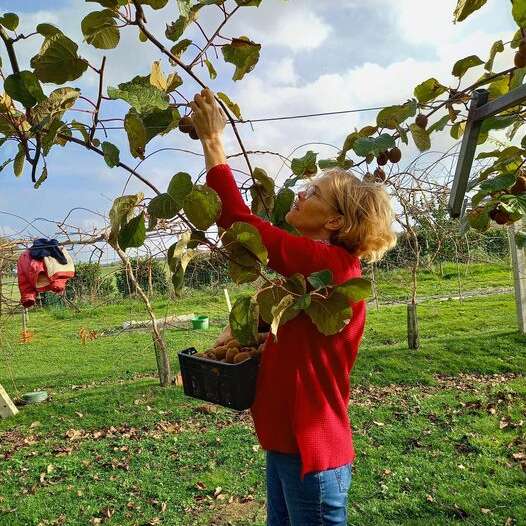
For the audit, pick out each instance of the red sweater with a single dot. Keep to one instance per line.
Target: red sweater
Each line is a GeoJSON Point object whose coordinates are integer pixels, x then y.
{"type": "Point", "coordinates": [303, 387]}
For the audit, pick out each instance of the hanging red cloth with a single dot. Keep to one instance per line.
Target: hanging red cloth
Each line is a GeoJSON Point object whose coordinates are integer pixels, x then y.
{"type": "Point", "coordinates": [36, 276]}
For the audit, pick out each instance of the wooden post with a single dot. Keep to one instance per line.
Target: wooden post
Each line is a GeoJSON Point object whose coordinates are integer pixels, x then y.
{"type": "Point", "coordinates": [518, 258]}
{"type": "Point", "coordinates": [412, 327]}
{"type": "Point", "coordinates": [7, 408]}
{"type": "Point", "coordinates": [227, 297]}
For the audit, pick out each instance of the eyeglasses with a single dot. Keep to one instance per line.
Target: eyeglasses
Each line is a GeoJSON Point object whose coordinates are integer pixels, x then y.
{"type": "Point", "coordinates": [311, 190]}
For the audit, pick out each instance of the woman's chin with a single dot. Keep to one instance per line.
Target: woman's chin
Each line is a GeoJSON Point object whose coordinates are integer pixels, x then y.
{"type": "Point", "coordinates": [289, 218]}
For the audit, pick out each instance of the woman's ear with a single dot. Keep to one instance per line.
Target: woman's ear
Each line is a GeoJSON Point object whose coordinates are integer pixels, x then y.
{"type": "Point", "coordinates": [334, 223]}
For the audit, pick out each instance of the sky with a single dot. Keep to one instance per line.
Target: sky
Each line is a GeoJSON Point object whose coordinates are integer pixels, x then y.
{"type": "Point", "coordinates": [317, 56]}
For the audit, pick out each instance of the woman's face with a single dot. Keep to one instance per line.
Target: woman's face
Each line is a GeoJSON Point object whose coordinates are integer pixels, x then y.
{"type": "Point", "coordinates": [312, 209]}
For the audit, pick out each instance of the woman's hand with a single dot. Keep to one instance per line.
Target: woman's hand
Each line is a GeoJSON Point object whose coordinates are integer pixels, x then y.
{"type": "Point", "coordinates": [207, 116]}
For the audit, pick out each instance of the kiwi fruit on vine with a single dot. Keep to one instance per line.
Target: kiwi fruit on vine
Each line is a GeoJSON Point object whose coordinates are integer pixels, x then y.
{"type": "Point", "coordinates": [394, 155]}
{"type": "Point", "coordinates": [501, 217]}
{"type": "Point", "coordinates": [230, 354]}
{"type": "Point", "coordinates": [193, 134]}
{"type": "Point", "coordinates": [421, 120]}
{"type": "Point", "coordinates": [520, 59]}
{"type": "Point", "coordinates": [186, 125]}
{"type": "Point", "coordinates": [382, 159]}
{"type": "Point", "coordinates": [520, 185]}
{"type": "Point", "coordinates": [379, 175]}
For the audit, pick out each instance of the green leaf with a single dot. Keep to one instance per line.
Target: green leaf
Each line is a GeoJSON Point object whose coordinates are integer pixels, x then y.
{"type": "Point", "coordinates": [178, 254]}
{"type": "Point", "coordinates": [9, 21]}
{"type": "Point", "coordinates": [25, 88]}
{"type": "Point", "coordinates": [457, 130]}
{"type": "Point", "coordinates": [184, 7]}
{"type": "Point", "coordinates": [392, 116]}
{"type": "Point", "coordinates": [41, 179]}
{"type": "Point", "coordinates": [466, 7]}
{"type": "Point", "coordinates": [519, 12]}
{"type": "Point", "coordinates": [248, 3]}
{"type": "Point", "coordinates": [136, 132]}
{"type": "Point", "coordinates": [158, 123]}
{"type": "Point", "coordinates": [82, 128]}
{"type": "Point", "coordinates": [268, 298]}
{"type": "Point", "coordinates": [242, 274]}
{"type": "Point", "coordinates": [173, 82]}
{"type": "Point", "coordinates": [100, 29]}
{"type": "Point", "coordinates": [420, 137]}
{"type": "Point", "coordinates": [498, 88]}
{"type": "Point", "coordinates": [497, 47]}
{"type": "Point", "coordinates": [154, 4]}
{"type": "Point", "coordinates": [111, 154]}
{"type": "Point", "coordinates": [305, 166]}
{"type": "Point", "coordinates": [321, 279]}
{"type": "Point", "coordinates": [262, 192]}
{"type": "Point", "coordinates": [517, 78]}
{"type": "Point", "coordinates": [120, 213]}
{"type": "Point", "coordinates": [57, 61]}
{"type": "Point", "coordinates": [54, 106]}
{"type": "Point", "coordinates": [355, 289]}
{"type": "Point", "coordinates": [429, 90]}
{"type": "Point", "coordinates": [501, 182]}
{"type": "Point", "coordinates": [243, 53]}
{"type": "Point", "coordinates": [520, 239]}
{"type": "Point", "coordinates": [497, 123]}
{"type": "Point", "coordinates": [331, 315]}
{"type": "Point", "coordinates": [133, 233]}
{"type": "Point", "coordinates": [278, 311]}
{"type": "Point", "coordinates": [244, 318]}
{"type": "Point", "coordinates": [465, 64]}
{"type": "Point", "coordinates": [163, 206]}
{"type": "Point", "coordinates": [248, 237]}
{"type": "Point", "coordinates": [175, 30]}
{"type": "Point", "coordinates": [232, 106]}
{"type": "Point", "coordinates": [211, 71]}
{"type": "Point", "coordinates": [18, 165]}
{"type": "Point", "coordinates": [202, 206]}
{"type": "Point", "coordinates": [439, 125]}
{"type": "Point", "coordinates": [282, 206]}
{"type": "Point", "coordinates": [180, 186]}
{"type": "Point", "coordinates": [373, 145]}
{"type": "Point", "coordinates": [50, 138]}
{"type": "Point", "coordinates": [179, 48]}
{"type": "Point", "coordinates": [140, 94]}
{"type": "Point", "coordinates": [479, 219]}
{"type": "Point", "coordinates": [326, 164]}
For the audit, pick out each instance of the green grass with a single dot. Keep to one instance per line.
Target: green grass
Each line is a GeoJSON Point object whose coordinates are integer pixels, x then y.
{"type": "Point", "coordinates": [112, 444]}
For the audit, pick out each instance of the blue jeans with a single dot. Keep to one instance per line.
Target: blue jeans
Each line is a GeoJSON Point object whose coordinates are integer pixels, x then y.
{"type": "Point", "coordinates": [320, 500]}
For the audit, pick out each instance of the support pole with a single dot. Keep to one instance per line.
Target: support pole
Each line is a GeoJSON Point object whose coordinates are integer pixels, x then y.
{"type": "Point", "coordinates": [518, 258]}
{"type": "Point", "coordinates": [227, 297]}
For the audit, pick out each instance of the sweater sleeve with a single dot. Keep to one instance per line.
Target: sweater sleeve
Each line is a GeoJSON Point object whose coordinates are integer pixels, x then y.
{"type": "Point", "coordinates": [288, 253]}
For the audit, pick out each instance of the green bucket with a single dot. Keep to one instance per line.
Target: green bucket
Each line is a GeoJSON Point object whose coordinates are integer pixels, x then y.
{"type": "Point", "coordinates": [200, 322]}
{"type": "Point", "coordinates": [35, 397]}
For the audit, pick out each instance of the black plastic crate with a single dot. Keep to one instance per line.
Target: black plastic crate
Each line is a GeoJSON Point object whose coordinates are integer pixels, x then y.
{"type": "Point", "coordinates": [226, 384]}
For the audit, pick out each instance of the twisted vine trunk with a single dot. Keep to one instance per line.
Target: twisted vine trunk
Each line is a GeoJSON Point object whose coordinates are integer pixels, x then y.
{"type": "Point", "coordinates": [159, 345]}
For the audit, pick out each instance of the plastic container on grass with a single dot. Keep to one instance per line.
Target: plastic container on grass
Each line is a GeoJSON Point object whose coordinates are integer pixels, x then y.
{"type": "Point", "coordinates": [200, 322]}
{"type": "Point", "coordinates": [226, 384]}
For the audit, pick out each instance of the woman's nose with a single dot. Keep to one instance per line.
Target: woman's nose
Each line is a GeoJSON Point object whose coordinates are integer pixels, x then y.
{"type": "Point", "coordinates": [302, 194]}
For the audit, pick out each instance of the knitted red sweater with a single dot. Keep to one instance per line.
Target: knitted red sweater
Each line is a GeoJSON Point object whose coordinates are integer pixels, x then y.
{"type": "Point", "coordinates": [302, 390]}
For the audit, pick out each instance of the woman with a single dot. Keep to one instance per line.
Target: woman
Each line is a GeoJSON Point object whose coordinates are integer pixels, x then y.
{"type": "Point", "coordinates": [300, 410]}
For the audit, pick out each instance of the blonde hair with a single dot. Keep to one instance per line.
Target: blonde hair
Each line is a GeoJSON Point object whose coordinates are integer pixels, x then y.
{"type": "Point", "coordinates": [368, 215]}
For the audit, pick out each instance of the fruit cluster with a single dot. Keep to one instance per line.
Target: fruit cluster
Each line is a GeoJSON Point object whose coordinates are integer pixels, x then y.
{"type": "Point", "coordinates": [187, 126]}
{"type": "Point", "coordinates": [393, 155]}
{"type": "Point", "coordinates": [231, 351]}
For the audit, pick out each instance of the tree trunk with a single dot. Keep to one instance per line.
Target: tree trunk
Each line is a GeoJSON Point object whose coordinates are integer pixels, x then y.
{"type": "Point", "coordinates": [412, 327]}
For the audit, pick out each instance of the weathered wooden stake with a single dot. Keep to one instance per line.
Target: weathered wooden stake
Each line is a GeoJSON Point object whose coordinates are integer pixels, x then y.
{"type": "Point", "coordinates": [412, 327]}
{"type": "Point", "coordinates": [227, 297]}
{"type": "Point", "coordinates": [7, 408]}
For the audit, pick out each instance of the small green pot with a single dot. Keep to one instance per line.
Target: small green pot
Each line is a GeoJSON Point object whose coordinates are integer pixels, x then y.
{"type": "Point", "coordinates": [201, 322]}
{"type": "Point", "coordinates": [35, 397]}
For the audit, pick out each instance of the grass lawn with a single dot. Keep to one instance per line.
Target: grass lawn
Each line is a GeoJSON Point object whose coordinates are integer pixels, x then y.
{"type": "Point", "coordinates": [439, 432]}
